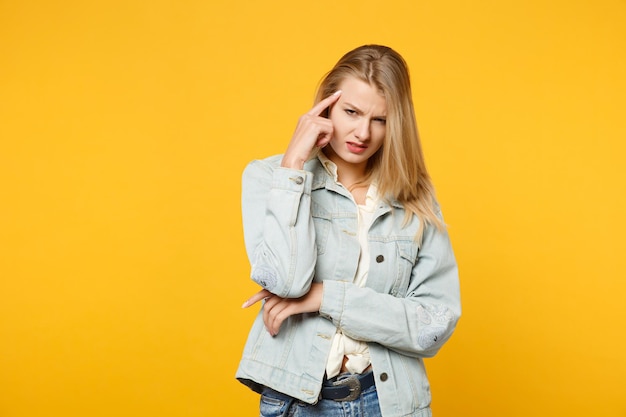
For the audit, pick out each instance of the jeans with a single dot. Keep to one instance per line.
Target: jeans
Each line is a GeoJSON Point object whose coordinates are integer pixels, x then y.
{"type": "Point", "coordinates": [276, 404]}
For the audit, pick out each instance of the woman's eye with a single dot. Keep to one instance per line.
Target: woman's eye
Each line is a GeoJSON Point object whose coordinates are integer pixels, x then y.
{"type": "Point", "coordinates": [350, 111]}
{"type": "Point", "coordinates": [383, 121]}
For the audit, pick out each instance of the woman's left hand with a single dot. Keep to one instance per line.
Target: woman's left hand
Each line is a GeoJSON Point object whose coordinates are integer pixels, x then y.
{"type": "Point", "coordinates": [277, 309]}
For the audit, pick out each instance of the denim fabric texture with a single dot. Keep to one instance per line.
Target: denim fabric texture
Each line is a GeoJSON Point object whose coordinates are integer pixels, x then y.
{"type": "Point", "coordinates": [275, 404]}
{"type": "Point", "coordinates": [300, 227]}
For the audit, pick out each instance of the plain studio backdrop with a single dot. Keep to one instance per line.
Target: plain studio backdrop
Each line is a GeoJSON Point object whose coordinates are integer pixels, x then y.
{"type": "Point", "coordinates": [124, 129]}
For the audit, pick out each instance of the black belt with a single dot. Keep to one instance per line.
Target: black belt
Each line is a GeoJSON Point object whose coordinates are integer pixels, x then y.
{"type": "Point", "coordinates": [347, 387]}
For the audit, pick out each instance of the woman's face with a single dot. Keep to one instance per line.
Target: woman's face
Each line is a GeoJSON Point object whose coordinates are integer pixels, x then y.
{"type": "Point", "coordinates": [358, 118]}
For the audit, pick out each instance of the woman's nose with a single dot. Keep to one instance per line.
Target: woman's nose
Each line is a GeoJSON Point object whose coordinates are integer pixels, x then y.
{"type": "Point", "coordinates": [362, 131]}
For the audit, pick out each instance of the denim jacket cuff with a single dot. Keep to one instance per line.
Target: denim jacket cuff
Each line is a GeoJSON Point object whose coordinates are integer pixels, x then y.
{"type": "Point", "coordinates": [292, 180]}
{"type": "Point", "coordinates": [333, 299]}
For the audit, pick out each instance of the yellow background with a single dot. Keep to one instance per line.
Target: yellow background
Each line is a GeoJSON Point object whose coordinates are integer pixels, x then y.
{"type": "Point", "coordinates": [125, 126]}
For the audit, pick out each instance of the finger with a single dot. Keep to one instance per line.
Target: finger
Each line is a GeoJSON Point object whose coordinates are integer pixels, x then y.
{"type": "Point", "coordinates": [323, 139]}
{"type": "Point", "coordinates": [271, 309]}
{"type": "Point", "coordinates": [256, 298]}
{"type": "Point", "coordinates": [277, 315]}
{"type": "Point", "coordinates": [326, 130]}
{"type": "Point", "coordinates": [269, 305]}
{"type": "Point", "coordinates": [324, 104]}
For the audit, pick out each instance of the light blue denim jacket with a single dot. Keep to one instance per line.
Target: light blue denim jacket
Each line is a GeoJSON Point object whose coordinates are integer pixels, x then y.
{"type": "Point", "coordinates": [301, 227]}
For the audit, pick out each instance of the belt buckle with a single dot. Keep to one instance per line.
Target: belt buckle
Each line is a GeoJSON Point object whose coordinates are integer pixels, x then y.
{"type": "Point", "coordinates": [353, 384]}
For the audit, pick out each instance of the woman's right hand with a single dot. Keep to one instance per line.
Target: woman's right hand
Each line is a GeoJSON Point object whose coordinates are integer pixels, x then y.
{"type": "Point", "coordinates": [312, 131]}
{"type": "Point", "coordinates": [277, 309]}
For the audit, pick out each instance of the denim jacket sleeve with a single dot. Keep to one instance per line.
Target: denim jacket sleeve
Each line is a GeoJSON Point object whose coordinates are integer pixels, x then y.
{"type": "Point", "coordinates": [276, 205]}
{"type": "Point", "coordinates": [416, 323]}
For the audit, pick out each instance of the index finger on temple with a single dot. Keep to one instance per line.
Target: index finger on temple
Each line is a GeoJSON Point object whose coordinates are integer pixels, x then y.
{"type": "Point", "coordinates": [324, 104]}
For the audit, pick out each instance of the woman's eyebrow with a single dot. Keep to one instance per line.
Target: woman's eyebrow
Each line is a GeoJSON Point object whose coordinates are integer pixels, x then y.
{"type": "Point", "coordinates": [353, 106]}
{"type": "Point", "coordinates": [358, 110]}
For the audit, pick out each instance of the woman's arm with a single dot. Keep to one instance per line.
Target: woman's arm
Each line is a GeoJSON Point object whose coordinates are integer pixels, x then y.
{"type": "Point", "coordinates": [278, 230]}
{"type": "Point", "coordinates": [416, 325]}
{"type": "Point", "coordinates": [276, 208]}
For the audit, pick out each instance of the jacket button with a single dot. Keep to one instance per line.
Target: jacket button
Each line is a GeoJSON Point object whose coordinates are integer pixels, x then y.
{"type": "Point", "coordinates": [384, 377]}
{"type": "Point", "coordinates": [380, 258]}
{"type": "Point", "coordinates": [299, 180]}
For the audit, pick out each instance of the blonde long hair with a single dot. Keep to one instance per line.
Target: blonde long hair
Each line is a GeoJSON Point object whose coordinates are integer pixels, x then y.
{"type": "Point", "coordinates": [398, 168]}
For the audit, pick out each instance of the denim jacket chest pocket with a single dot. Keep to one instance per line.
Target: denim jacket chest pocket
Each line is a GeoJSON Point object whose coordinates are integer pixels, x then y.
{"type": "Point", "coordinates": [336, 242]}
{"type": "Point", "coordinates": [391, 266]}
{"type": "Point", "coordinates": [393, 250]}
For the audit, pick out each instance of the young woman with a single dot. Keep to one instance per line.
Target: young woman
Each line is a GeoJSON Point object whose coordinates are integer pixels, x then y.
{"type": "Point", "coordinates": [346, 239]}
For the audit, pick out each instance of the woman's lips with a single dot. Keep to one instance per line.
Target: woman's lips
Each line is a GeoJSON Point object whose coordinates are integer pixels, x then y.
{"type": "Point", "coordinates": [355, 147]}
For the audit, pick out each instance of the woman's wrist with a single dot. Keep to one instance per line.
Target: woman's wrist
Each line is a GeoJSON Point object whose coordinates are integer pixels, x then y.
{"type": "Point", "coordinates": [291, 163]}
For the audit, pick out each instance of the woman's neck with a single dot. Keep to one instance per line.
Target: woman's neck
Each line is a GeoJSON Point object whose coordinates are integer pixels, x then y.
{"type": "Point", "coordinates": [352, 176]}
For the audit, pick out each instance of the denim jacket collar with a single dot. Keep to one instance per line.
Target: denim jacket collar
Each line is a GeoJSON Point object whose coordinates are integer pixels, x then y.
{"type": "Point", "coordinates": [323, 179]}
